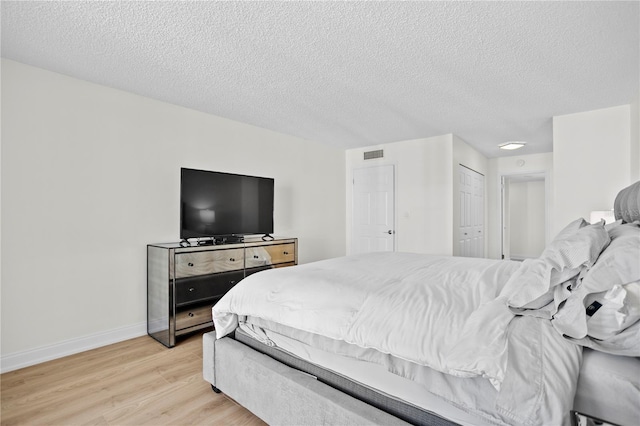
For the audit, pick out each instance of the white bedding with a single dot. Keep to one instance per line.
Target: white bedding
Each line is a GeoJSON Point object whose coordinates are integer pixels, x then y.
{"type": "Point", "coordinates": [440, 312]}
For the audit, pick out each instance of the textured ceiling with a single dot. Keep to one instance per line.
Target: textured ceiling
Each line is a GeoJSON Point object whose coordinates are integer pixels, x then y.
{"type": "Point", "coordinates": [349, 74]}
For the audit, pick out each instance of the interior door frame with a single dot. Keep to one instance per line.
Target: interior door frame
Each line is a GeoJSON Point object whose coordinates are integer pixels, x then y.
{"type": "Point", "coordinates": [504, 243]}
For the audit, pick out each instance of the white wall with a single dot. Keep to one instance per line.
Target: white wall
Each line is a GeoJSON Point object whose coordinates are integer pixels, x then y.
{"type": "Point", "coordinates": [424, 178]}
{"type": "Point", "coordinates": [515, 165]}
{"type": "Point", "coordinates": [594, 157]}
{"type": "Point", "coordinates": [90, 175]}
{"type": "Point", "coordinates": [466, 155]}
{"type": "Point", "coordinates": [526, 219]}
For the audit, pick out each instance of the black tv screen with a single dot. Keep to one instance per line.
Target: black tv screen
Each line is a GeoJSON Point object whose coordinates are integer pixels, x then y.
{"type": "Point", "coordinates": [214, 204]}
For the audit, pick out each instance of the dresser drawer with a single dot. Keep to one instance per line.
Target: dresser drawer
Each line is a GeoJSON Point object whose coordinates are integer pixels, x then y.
{"type": "Point", "coordinates": [256, 257]}
{"type": "Point", "coordinates": [208, 262]}
{"type": "Point", "coordinates": [196, 289]}
{"type": "Point", "coordinates": [192, 317]}
{"type": "Point", "coordinates": [281, 253]}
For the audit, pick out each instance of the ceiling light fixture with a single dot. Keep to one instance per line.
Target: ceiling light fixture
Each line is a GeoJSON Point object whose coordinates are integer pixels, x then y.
{"type": "Point", "coordinates": [512, 145]}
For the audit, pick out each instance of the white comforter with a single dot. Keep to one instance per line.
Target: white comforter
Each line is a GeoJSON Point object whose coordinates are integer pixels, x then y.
{"type": "Point", "coordinates": [442, 312]}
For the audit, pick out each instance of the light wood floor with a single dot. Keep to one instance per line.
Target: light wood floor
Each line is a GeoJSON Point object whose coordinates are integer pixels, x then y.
{"type": "Point", "coordinates": [135, 382]}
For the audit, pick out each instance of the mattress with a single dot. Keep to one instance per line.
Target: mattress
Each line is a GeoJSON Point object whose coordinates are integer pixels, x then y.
{"type": "Point", "coordinates": [433, 415]}
{"type": "Point", "coordinates": [608, 387]}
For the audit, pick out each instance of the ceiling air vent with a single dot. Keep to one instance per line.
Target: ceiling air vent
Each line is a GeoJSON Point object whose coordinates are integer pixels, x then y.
{"type": "Point", "coordinates": [370, 155]}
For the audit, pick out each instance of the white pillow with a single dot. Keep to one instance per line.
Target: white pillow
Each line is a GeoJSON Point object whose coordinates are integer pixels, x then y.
{"type": "Point", "coordinates": [619, 263]}
{"type": "Point", "coordinates": [626, 343]}
{"type": "Point", "coordinates": [570, 253]}
{"type": "Point", "coordinates": [617, 266]}
{"type": "Point", "coordinates": [610, 312]}
{"type": "Point", "coordinates": [575, 249]}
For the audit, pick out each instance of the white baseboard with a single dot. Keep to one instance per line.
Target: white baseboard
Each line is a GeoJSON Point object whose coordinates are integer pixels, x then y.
{"type": "Point", "coordinates": [23, 359]}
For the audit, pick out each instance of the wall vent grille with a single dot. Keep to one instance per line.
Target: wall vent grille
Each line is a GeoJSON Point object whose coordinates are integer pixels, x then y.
{"type": "Point", "coordinates": [370, 155]}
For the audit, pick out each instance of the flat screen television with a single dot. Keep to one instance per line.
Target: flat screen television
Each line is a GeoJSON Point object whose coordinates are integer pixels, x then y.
{"type": "Point", "coordinates": [215, 204]}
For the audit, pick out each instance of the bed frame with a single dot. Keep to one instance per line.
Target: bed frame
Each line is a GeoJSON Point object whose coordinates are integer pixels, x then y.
{"type": "Point", "coordinates": [275, 392]}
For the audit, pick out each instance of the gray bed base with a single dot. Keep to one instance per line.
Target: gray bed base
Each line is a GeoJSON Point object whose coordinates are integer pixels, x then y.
{"type": "Point", "coordinates": [282, 395]}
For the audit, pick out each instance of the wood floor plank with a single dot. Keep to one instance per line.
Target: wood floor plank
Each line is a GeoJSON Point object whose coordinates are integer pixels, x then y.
{"type": "Point", "coordinates": [135, 382]}
{"type": "Point", "coordinates": [34, 378]}
{"type": "Point", "coordinates": [185, 397]}
{"type": "Point", "coordinates": [76, 386]}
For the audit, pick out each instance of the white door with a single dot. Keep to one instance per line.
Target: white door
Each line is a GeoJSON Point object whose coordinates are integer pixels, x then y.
{"type": "Point", "coordinates": [471, 229]}
{"type": "Point", "coordinates": [373, 209]}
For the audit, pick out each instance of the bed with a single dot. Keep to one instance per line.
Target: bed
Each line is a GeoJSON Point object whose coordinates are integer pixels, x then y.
{"type": "Point", "coordinates": [405, 338]}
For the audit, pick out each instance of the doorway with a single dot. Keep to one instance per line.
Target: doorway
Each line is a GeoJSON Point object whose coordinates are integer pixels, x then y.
{"type": "Point", "coordinates": [524, 215]}
{"type": "Point", "coordinates": [373, 209]}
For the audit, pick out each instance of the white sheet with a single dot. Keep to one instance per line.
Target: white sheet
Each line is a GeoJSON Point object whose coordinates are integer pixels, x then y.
{"type": "Point", "coordinates": [440, 312]}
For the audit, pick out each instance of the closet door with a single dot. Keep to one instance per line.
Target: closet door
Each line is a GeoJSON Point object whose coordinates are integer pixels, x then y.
{"type": "Point", "coordinates": [471, 221]}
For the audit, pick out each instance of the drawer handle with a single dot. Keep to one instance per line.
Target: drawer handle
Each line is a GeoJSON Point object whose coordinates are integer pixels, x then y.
{"type": "Point", "coordinates": [255, 256]}
{"type": "Point", "coordinates": [191, 289]}
{"type": "Point", "coordinates": [191, 314]}
{"type": "Point", "coordinates": [231, 259]}
{"type": "Point", "coordinates": [190, 264]}
{"type": "Point", "coordinates": [286, 252]}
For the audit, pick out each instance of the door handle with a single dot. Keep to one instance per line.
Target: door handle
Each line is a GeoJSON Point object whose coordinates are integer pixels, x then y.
{"type": "Point", "coordinates": [390, 232]}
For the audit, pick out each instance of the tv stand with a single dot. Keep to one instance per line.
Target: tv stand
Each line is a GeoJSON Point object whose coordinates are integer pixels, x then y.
{"type": "Point", "coordinates": [185, 281]}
